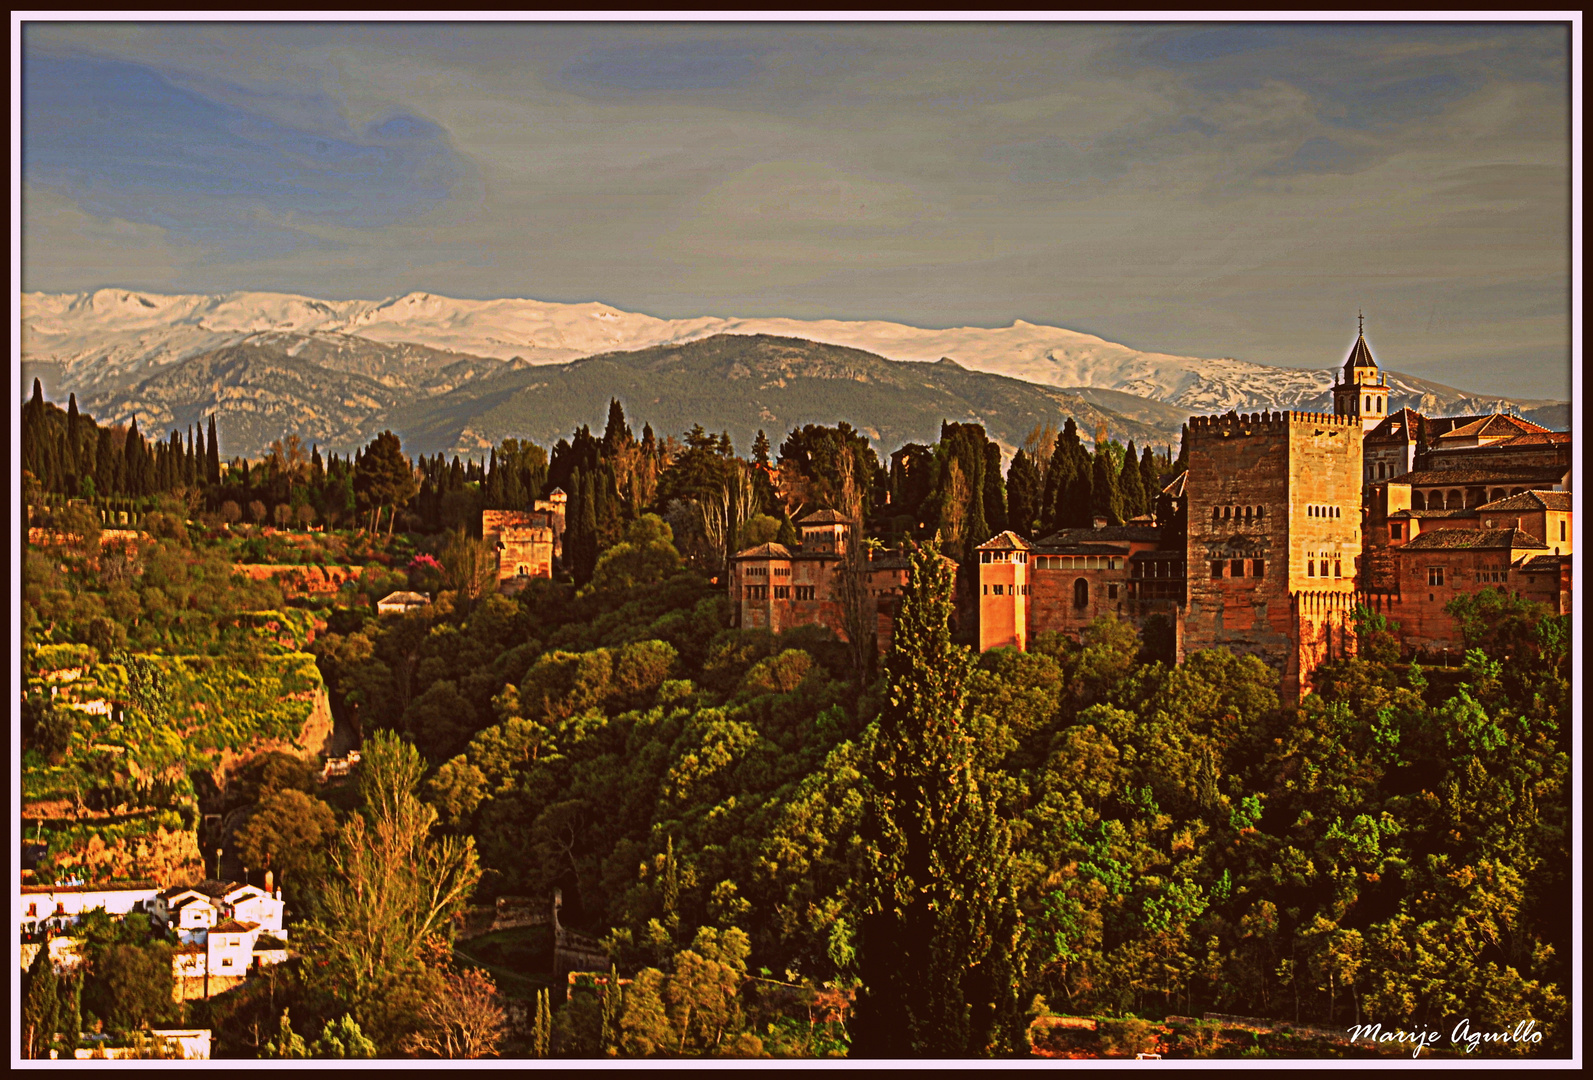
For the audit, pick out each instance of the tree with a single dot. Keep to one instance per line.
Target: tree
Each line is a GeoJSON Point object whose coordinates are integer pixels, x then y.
{"type": "Point", "coordinates": [130, 986]}
{"type": "Point", "coordinates": [391, 892]}
{"type": "Point", "coordinates": [469, 565]}
{"type": "Point", "coordinates": [937, 851]}
{"type": "Point", "coordinates": [283, 513]}
{"type": "Point", "coordinates": [383, 478]}
{"type": "Point", "coordinates": [257, 510]}
{"type": "Point", "coordinates": [286, 834]}
{"type": "Point", "coordinates": [231, 513]}
{"type": "Point", "coordinates": [212, 455]}
{"type": "Point", "coordinates": [1104, 501]}
{"type": "Point", "coordinates": [304, 514]}
{"type": "Point", "coordinates": [851, 589]}
{"type": "Point", "coordinates": [1025, 488]}
{"type": "Point", "coordinates": [343, 1039]}
{"type": "Point", "coordinates": [286, 1044]}
{"type": "Point", "coordinates": [646, 556]}
{"type": "Point", "coordinates": [40, 1007]}
{"type": "Point", "coordinates": [466, 1021]}
{"type": "Point", "coordinates": [1130, 487]}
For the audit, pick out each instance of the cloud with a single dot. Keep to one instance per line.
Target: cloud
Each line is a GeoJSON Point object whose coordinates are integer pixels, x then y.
{"type": "Point", "coordinates": [666, 66]}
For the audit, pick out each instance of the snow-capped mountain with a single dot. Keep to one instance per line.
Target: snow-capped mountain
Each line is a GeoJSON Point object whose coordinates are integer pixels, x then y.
{"type": "Point", "coordinates": [109, 341]}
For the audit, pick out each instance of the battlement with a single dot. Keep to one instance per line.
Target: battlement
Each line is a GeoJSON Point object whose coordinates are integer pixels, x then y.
{"type": "Point", "coordinates": [1227, 423]}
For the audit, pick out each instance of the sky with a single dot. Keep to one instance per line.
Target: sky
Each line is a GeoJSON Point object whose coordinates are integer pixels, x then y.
{"type": "Point", "coordinates": [1235, 190]}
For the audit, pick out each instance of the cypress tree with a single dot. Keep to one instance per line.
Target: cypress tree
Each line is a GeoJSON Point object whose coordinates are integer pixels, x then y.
{"type": "Point", "coordinates": [995, 494]}
{"type": "Point", "coordinates": [1130, 490]}
{"type": "Point", "coordinates": [1104, 501]}
{"type": "Point", "coordinates": [132, 452]}
{"type": "Point", "coordinates": [107, 473]}
{"type": "Point", "coordinates": [212, 455]}
{"type": "Point", "coordinates": [40, 1005]}
{"type": "Point", "coordinates": [1059, 480]}
{"type": "Point", "coordinates": [1025, 489]}
{"type": "Point", "coordinates": [1149, 479]}
{"type": "Point", "coordinates": [937, 852]}
{"type": "Point", "coordinates": [617, 433]}
{"type": "Point", "coordinates": [74, 436]}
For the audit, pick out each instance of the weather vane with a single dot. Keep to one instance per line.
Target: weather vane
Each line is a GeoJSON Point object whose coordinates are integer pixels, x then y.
{"type": "Point", "coordinates": [1360, 322]}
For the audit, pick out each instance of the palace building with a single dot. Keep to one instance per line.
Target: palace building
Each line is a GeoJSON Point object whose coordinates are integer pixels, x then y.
{"type": "Point", "coordinates": [1285, 521]}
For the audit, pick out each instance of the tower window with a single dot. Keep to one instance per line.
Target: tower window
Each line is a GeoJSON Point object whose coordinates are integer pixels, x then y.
{"type": "Point", "coordinates": [1310, 568]}
{"type": "Point", "coordinates": [1216, 568]}
{"type": "Point", "coordinates": [1261, 511]}
{"type": "Point", "coordinates": [1368, 404]}
{"type": "Point", "coordinates": [1258, 568]}
{"type": "Point", "coordinates": [1236, 568]}
{"type": "Point", "coordinates": [1227, 512]}
{"type": "Point", "coordinates": [1216, 514]}
{"type": "Point", "coordinates": [1336, 571]}
{"type": "Point", "coordinates": [1247, 513]}
{"type": "Point", "coordinates": [1562, 530]}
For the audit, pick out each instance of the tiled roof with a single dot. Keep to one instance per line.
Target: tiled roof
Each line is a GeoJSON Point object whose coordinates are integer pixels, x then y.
{"type": "Point", "coordinates": [1456, 539]}
{"type": "Point", "coordinates": [1145, 534]}
{"type": "Point", "coordinates": [1532, 500]}
{"type": "Point", "coordinates": [216, 887]}
{"type": "Point", "coordinates": [1402, 425]}
{"type": "Point", "coordinates": [117, 886]}
{"type": "Point", "coordinates": [1428, 515]}
{"type": "Point", "coordinates": [765, 551]}
{"type": "Point", "coordinates": [1082, 549]}
{"type": "Point", "coordinates": [1005, 541]}
{"type": "Point", "coordinates": [1514, 475]}
{"type": "Point", "coordinates": [1545, 563]}
{"type": "Point", "coordinates": [188, 949]}
{"type": "Point", "coordinates": [1497, 426]}
{"type": "Point", "coordinates": [1533, 438]}
{"type": "Point", "coordinates": [825, 517]}
{"type": "Point", "coordinates": [404, 598]}
{"type": "Point", "coordinates": [233, 926]}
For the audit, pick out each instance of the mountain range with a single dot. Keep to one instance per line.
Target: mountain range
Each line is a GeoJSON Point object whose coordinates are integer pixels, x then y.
{"type": "Point", "coordinates": [443, 372]}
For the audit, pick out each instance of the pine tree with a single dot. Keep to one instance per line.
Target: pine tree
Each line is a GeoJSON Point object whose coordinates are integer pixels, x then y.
{"type": "Point", "coordinates": [760, 450]}
{"type": "Point", "coordinates": [937, 851]}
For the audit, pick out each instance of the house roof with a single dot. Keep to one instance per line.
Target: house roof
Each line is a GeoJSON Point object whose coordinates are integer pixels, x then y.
{"type": "Point", "coordinates": [765, 551]}
{"type": "Point", "coordinates": [233, 926]}
{"type": "Point", "coordinates": [413, 598]}
{"type": "Point", "coordinates": [825, 517]}
{"type": "Point", "coordinates": [1403, 425]}
{"type": "Point", "coordinates": [1360, 357]}
{"type": "Point", "coordinates": [1532, 438]}
{"type": "Point", "coordinates": [1532, 500]}
{"type": "Point", "coordinates": [1175, 486]}
{"type": "Point", "coordinates": [184, 901]}
{"type": "Point", "coordinates": [1145, 534]}
{"type": "Point", "coordinates": [1005, 541]}
{"type": "Point", "coordinates": [1462, 539]}
{"type": "Point", "coordinates": [1429, 515]}
{"type": "Point", "coordinates": [1083, 549]}
{"type": "Point", "coordinates": [1497, 426]}
{"type": "Point", "coordinates": [1546, 563]}
{"type": "Point", "coordinates": [32, 890]}
{"type": "Point", "coordinates": [1516, 475]}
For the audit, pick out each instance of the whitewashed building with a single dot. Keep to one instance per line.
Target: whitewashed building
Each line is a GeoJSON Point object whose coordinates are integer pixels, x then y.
{"type": "Point", "coordinates": [56, 907]}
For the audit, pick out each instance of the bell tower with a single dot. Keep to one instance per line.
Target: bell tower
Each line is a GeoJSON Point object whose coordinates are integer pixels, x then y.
{"type": "Point", "coordinates": [1363, 392]}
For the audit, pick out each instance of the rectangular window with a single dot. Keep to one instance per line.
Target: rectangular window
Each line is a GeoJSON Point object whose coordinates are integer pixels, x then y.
{"type": "Point", "coordinates": [1111, 592]}
{"type": "Point", "coordinates": [1216, 568]}
{"type": "Point", "coordinates": [1258, 568]}
{"type": "Point", "coordinates": [1435, 575]}
{"type": "Point", "coordinates": [1562, 530]}
{"type": "Point", "coordinates": [226, 961]}
{"type": "Point", "coordinates": [1337, 568]}
{"type": "Point", "coordinates": [1396, 531]}
{"type": "Point", "coordinates": [1310, 568]}
{"type": "Point", "coordinates": [33, 911]}
{"type": "Point", "coordinates": [805, 592]}
{"type": "Point", "coordinates": [984, 556]}
{"type": "Point", "coordinates": [1236, 568]}
{"type": "Point", "coordinates": [782, 592]}
{"type": "Point", "coordinates": [997, 589]}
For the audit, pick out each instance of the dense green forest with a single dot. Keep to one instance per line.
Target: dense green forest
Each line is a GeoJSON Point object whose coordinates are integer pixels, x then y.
{"type": "Point", "coordinates": [785, 852]}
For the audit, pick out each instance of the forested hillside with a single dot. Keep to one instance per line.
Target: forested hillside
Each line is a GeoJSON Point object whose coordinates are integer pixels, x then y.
{"type": "Point", "coordinates": [784, 852]}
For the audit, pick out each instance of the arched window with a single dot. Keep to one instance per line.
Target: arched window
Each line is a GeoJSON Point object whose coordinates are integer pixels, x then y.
{"type": "Point", "coordinates": [1227, 512]}
{"type": "Point", "coordinates": [1216, 514]}
{"type": "Point", "coordinates": [1081, 594]}
{"type": "Point", "coordinates": [1261, 511]}
{"type": "Point", "coordinates": [1368, 404]}
{"type": "Point", "coordinates": [1416, 501]}
{"type": "Point", "coordinates": [1247, 513]}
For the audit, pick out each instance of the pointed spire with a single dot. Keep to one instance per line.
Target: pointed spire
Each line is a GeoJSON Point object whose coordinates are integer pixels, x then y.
{"type": "Point", "coordinates": [1360, 323]}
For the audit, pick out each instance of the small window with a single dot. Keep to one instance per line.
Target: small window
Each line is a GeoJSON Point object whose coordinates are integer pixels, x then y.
{"type": "Point", "coordinates": [1562, 530]}
{"type": "Point", "coordinates": [1081, 593]}
{"type": "Point", "coordinates": [998, 590]}
{"type": "Point", "coordinates": [1258, 568]}
{"type": "Point", "coordinates": [33, 911]}
{"type": "Point", "coordinates": [1111, 592]}
{"type": "Point", "coordinates": [1236, 568]}
{"type": "Point", "coordinates": [1337, 572]}
{"type": "Point", "coordinates": [782, 592]}
{"type": "Point", "coordinates": [1216, 568]}
{"type": "Point", "coordinates": [987, 590]}
{"type": "Point", "coordinates": [1216, 513]}
{"type": "Point", "coordinates": [1435, 575]}
{"type": "Point", "coordinates": [1396, 531]}
{"type": "Point", "coordinates": [1261, 512]}
{"type": "Point", "coordinates": [226, 961]}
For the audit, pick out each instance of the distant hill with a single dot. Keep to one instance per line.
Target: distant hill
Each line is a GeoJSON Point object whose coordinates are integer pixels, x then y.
{"type": "Point", "coordinates": [743, 383]}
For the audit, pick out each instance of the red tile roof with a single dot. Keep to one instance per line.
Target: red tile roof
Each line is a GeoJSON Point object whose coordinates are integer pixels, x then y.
{"type": "Point", "coordinates": [233, 926]}
{"type": "Point", "coordinates": [1459, 539]}
{"type": "Point", "coordinates": [1532, 500]}
{"type": "Point", "coordinates": [1005, 541]}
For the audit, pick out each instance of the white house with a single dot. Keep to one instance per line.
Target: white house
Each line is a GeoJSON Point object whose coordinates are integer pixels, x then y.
{"type": "Point", "coordinates": [401, 603]}
{"type": "Point", "coordinates": [55, 907]}
{"type": "Point", "coordinates": [195, 911]}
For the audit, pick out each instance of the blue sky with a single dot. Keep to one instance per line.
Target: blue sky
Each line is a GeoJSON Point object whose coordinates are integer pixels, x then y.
{"type": "Point", "coordinates": [1206, 189]}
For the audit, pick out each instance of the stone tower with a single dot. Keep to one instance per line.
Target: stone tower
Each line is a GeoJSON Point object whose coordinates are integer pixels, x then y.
{"type": "Point", "coordinates": [1273, 538]}
{"type": "Point", "coordinates": [1004, 592]}
{"type": "Point", "coordinates": [1363, 393]}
